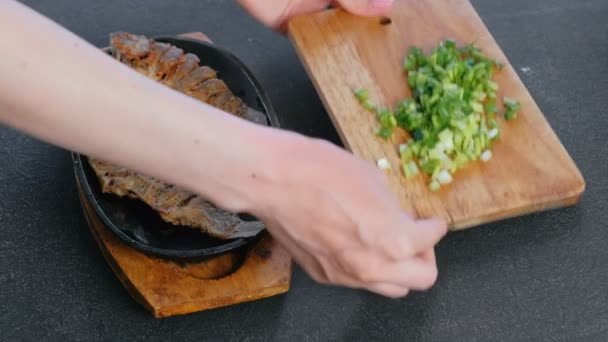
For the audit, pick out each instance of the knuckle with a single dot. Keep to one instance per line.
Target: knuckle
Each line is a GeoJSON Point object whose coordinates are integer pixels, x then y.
{"type": "Point", "coordinates": [369, 271]}
{"type": "Point", "coordinates": [355, 267]}
{"type": "Point", "coordinates": [364, 274]}
{"type": "Point", "coordinates": [398, 248]}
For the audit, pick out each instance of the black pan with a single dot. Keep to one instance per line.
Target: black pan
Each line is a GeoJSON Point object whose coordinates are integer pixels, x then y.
{"type": "Point", "coordinates": [139, 226]}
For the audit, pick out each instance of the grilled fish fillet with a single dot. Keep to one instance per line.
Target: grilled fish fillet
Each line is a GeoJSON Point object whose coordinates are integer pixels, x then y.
{"type": "Point", "coordinates": [172, 67]}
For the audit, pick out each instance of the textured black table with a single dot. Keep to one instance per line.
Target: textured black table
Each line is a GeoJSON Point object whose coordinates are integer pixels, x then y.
{"type": "Point", "coordinates": [539, 277]}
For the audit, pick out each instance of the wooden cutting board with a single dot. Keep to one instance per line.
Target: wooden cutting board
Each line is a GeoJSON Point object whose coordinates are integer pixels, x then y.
{"type": "Point", "coordinates": [530, 170]}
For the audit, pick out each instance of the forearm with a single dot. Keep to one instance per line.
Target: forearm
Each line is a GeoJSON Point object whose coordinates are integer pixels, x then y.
{"type": "Point", "coordinates": [57, 87]}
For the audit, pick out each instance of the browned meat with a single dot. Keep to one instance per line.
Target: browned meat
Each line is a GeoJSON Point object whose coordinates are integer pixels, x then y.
{"type": "Point", "coordinates": [171, 67]}
{"type": "Point", "coordinates": [189, 63]}
{"type": "Point", "coordinates": [129, 45]}
{"type": "Point", "coordinates": [208, 89]}
{"type": "Point", "coordinates": [197, 76]}
{"type": "Point", "coordinates": [174, 205]}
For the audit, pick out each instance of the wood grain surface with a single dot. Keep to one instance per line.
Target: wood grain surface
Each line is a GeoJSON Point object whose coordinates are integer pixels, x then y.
{"type": "Point", "coordinates": [530, 171]}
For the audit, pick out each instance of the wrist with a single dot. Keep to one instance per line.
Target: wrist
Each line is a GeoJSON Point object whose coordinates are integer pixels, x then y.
{"type": "Point", "coordinates": [257, 162]}
{"type": "Point", "coordinates": [237, 162]}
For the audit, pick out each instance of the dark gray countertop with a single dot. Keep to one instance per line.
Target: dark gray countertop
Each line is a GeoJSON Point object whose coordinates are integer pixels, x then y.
{"type": "Point", "coordinates": [539, 277]}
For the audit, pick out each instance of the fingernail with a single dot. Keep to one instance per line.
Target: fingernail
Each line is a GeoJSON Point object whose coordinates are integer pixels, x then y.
{"type": "Point", "coordinates": [381, 4]}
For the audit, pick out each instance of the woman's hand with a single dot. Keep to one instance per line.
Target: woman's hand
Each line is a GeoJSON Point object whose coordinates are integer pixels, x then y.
{"type": "Point", "coordinates": [276, 13]}
{"type": "Point", "coordinates": [335, 214]}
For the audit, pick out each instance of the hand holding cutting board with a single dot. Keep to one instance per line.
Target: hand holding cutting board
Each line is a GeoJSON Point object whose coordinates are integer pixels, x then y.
{"type": "Point", "coordinates": [276, 13]}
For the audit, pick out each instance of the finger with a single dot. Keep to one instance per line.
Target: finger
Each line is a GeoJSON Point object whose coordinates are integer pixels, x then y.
{"type": "Point", "coordinates": [383, 289]}
{"type": "Point", "coordinates": [428, 233]}
{"type": "Point", "coordinates": [417, 274]}
{"type": "Point", "coordinates": [308, 263]}
{"type": "Point", "coordinates": [367, 268]}
{"type": "Point", "coordinates": [388, 290]}
{"type": "Point", "coordinates": [366, 7]}
{"type": "Point", "coordinates": [277, 14]}
{"type": "Point", "coordinates": [428, 256]}
{"type": "Point", "coordinates": [404, 241]}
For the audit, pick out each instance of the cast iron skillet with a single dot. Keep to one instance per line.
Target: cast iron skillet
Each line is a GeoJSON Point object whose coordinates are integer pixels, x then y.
{"type": "Point", "coordinates": [141, 227]}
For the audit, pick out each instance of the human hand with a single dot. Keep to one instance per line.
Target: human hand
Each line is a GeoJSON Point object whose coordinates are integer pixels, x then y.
{"type": "Point", "coordinates": [335, 215]}
{"type": "Point", "coordinates": [276, 13]}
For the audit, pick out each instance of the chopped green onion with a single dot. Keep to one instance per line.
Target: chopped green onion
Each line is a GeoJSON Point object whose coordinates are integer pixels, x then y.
{"type": "Point", "coordinates": [451, 114]}
{"type": "Point", "coordinates": [512, 107]}
{"type": "Point", "coordinates": [444, 177]}
{"type": "Point", "coordinates": [410, 169]}
{"type": "Point", "coordinates": [493, 133]}
{"type": "Point", "coordinates": [486, 155]}
{"type": "Point", "coordinates": [491, 108]}
{"type": "Point", "coordinates": [510, 103]}
{"type": "Point", "coordinates": [510, 115]}
{"type": "Point", "coordinates": [383, 164]}
{"type": "Point", "coordinates": [434, 185]}
{"type": "Point", "coordinates": [477, 107]}
{"type": "Point", "coordinates": [369, 105]}
{"type": "Point", "coordinates": [362, 94]}
{"type": "Point", "coordinates": [492, 85]}
{"type": "Point", "coordinates": [384, 132]}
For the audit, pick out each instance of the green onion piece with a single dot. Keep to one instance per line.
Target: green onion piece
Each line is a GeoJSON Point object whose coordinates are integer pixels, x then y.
{"type": "Point", "coordinates": [410, 169]}
{"type": "Point", "coordinates": [477, 107]}
{"type": "Point", "coordinates": [362, 94]}
{"type": "Point", "coordinates": [434, 186]}
{"type": "Point", "coordinates": [369, 105]}
{"type": "Point", "coordinates": [450, 44]}
{"type": "Point", "coordinates": [510, 115]}
{"type": "Point", "coordinates": [492, 85]}
{"type": "Point", "coordinates": [385, 132]}
{"type": "Point", "coordinates": [452, 114]}
{"type": "Point", "coordinates": [444, 177]}
{"type": "Point", "coordinates": [486, 155]}
{"type": "Point", "coordinates": [512, 107]}
{"type": "Point", "coordinates": [491, 108]}
{"type": "Point", "coordinates": [511, 103]}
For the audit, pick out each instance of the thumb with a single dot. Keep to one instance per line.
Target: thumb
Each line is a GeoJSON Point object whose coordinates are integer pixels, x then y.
{"type": "Point", "coordinates": [366, 7]}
